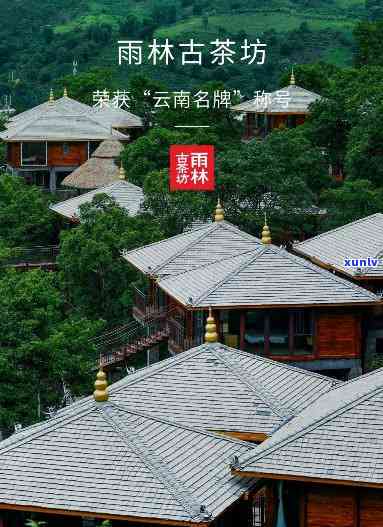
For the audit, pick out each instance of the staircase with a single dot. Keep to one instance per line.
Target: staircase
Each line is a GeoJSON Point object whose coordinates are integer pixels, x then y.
{"type": "Point", "coordinates": [116, 345]}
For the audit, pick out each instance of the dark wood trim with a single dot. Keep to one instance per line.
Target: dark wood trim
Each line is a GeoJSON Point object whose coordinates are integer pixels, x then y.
{"type": "Point", "coordinates": [302, 509]}
{"type": "Point", "coordinates": [325, 481]}
{"type": "Point", "coordinates": [258, 437]}
{"type": "Point", "coordinates": [64, 512]}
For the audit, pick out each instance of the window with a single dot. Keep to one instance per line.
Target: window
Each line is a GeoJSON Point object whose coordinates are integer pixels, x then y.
{"type": "Point", "coordinates": [66, 149]}
{"type": "Point", "coordinates": [255, 330]}
{"type": "Point", "coordinates": [279, 326]}
{"type": "Point", "coordinates": [303, 331]}
{"type": "Point", "coordinates": [34, 154]}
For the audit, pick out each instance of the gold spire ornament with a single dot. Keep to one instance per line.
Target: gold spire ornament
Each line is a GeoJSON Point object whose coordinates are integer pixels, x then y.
{"type": "Point", "coordinates": [65, 94]}
{"type": "Point", "coordinates": [219, 212]}
{"type": "Point", "coordinates": [266, 235]}
{"type": "Point", "coordinates": [51, 97]}
{"type": "Point", "coordinates": [211, 329]}
{"type": "Point", "coordinates": [100, 393]}
{"type": "Point", "coordinates": [292, 78]}
{"type": "Point", "coordinates": [122, 172]}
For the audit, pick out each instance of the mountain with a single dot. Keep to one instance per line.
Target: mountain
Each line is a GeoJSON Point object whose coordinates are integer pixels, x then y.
{"type": "Point", "coordinates": [40, 40]}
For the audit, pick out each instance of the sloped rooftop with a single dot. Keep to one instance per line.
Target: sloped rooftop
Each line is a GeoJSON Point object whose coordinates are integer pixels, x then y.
{"type": "Point", "coordinates": [128, 196]}
{"type": "Point", "coordinates": [266, 276]}
{"type": "Point", "coordinates": [360, 239]}
{"type": "Point", "coordinates": [299, 101]}
{"type": "Point", "coordinates": [108, 459]}
{"type": "Point", "coordinates": [208, 243]}
{"type": "Point", "coordinates": [68, 119]}
{"type": "Point", "coordinates": [338, 438]}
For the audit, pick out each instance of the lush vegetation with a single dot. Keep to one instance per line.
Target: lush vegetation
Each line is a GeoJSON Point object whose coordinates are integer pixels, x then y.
{"type": "Point", "coordinates": [47, 320]}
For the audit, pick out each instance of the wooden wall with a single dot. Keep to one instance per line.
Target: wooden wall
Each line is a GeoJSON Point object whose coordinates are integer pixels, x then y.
{"type": "Point", "coordinates": [14, 154]}
{"type": "Point", "coordinates": [77, 154]}
{"type": "Point", "coordinates": [335, 506]}
{"type": "Point", "coordinates": [338, 335]}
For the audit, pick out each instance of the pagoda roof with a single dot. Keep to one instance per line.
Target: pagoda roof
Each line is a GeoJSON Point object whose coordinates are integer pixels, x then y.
{"type": "Point", "coordinates": [266, 276]}
{"type": "Point", "coordinates": [105, 459]}
{"type": "Point", "coordinates": [360, 239]}
{"type": "Point", "coordinates": [338, 438]}
{"type": "Point", "coordinates": [126, 195]}
{"type": "Point", "coordinates": [191, 249]}
{"type": "Point", "coordinates": [70, 120]}
{"type": "Point", "coordinates": [159, 461]}
{"type": "Point", "coordinates": [218, 388]}
{"type": "Point", "coordinates": [299, 100]}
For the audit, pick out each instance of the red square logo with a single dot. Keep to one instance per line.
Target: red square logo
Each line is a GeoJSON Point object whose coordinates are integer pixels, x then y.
{"type": "Point", "coordinates": [192, 167]}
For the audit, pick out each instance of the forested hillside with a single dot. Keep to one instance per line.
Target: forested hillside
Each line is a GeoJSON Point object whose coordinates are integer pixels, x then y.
{"type": "Point", "coordinates": [40, 40]}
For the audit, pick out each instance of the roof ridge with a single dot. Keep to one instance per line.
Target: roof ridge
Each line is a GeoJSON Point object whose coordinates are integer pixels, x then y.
{"type": "Point", "coordinates": [322, 234]}
{"type": "Point", "coordinates": [210, 227]}
{"type": "Point", "coordinates": [126, 253]}
{"type": "Point", "coordinates": [175, 487]}
{"type": "Point", "coordinates": [316, 268]}
{"type": "Point", "coordinates": [178, 424]}
{"type": "Point", "coordinates": [231, 273]}
{"type": "Point", "coordinates": [258, 388]}
{"type": "Point", "coordinates": [312, 426]}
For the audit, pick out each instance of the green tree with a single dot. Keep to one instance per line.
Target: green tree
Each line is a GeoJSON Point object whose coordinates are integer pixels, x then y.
{"type": "Point", "coordinates": [82, 86]}
{"type": "Point", "coordinates": [92, 273]}
{"type": "Point", "coordinates": [369, 42]}
{"type": "Point", "coordinates": [25, 218]}
{"type": "Point", "coordinates": [41, 347]}
{"type": "Point", "coordinates": [351, 201]}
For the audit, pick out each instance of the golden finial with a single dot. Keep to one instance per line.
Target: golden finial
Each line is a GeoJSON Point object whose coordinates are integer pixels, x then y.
{"type": "Point", "coordinates": [219, 212]}
{"type": "Point", "coordinates": [100, 393]}
{"type": "Point", "coordinates": [65, 94]}
{"type": "Point", "coordinates": [51, 97]}
{"type": "Point", "coordinates": [292, 78]}
{"type": "Point", "coordinates": [122, 172]}
{"type": "Point", "coordinates": [211, 329]}
{"type": "Point", "coordinates": [266, 235]}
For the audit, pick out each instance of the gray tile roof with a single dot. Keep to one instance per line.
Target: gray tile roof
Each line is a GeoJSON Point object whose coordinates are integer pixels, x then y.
{"type": "Point", "coordinates": [299, 102]}
{"type": "Point", "coordinates": [128, 196]}
{"type": "Point", "coordinates": [266, 276]}
{"type": "Point", "coordinates": [67, 119]}
{"type": "Point", "coordinates": [360, 239]}
{"type": "Point", "coordinates": [218, 388]}
{"type": "Point", "coordinates": [110, 459]}
{"type": "Point", "coordinates": [339, 437]}
{"type": "Point", "coordinates": [191, 249]}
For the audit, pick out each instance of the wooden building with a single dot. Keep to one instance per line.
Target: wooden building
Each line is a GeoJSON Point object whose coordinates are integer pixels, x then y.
{"type": "Point", "coordinates": [154, 448]}
{"type": "Point", "coordinates": [266, 300]}
{"type": "Point", "coordinates": [324, 467]}
{"type": "Point", "coordinates": [287, 107]}
{"type": "Point", "coordinates": [48, 142]}
{"type": "Point", "coordinates": [354, 251]}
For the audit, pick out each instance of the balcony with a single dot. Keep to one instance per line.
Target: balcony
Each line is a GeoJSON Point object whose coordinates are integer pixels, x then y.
{"type": "Point", "coordinates": [178, 341]}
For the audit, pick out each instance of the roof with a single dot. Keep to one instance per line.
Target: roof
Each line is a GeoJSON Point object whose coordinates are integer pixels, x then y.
{"type": "Point", "coordinates": [191, 249]}
{"type": "Point", "coordinates": [266, 276]}
{"type": "Point", "coordinates": [116, 117]}
{"type": "Point", "coordinates": [360, 239]}
{"type": "Point", "coordinates": [94, 173]}
{"type": "Point", "coordinates": [108, 149]}
{"type": "Point", "coordinates": [103, 458]}
{"type": "Point", "coordinates": [128, 196]}
{"type": "Point", "coordinates": [298, 98]}
{"type": "Point", "coordinates": [67, 119]}
{"type": "Point", "coordinates": [219, 388]}
{"type": "Point", "coordinates": [337, 438]}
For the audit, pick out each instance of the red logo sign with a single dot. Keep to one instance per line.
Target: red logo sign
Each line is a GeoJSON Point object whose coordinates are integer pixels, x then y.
{"type": "Point", "coordinates": [192, 167]}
